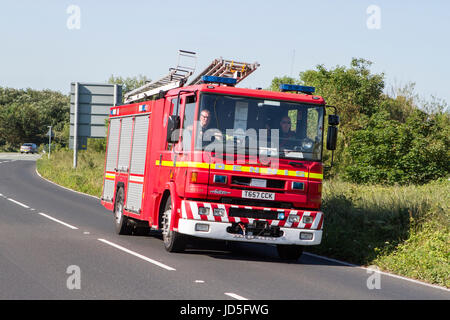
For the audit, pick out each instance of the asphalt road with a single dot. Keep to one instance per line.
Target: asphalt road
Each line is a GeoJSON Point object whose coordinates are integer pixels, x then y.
{"type": "Point", "coordinates": [57, 244]}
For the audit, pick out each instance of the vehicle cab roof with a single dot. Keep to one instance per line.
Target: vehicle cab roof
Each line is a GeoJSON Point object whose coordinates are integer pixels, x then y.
{"type": "Point", "coordinates": [254, 93]}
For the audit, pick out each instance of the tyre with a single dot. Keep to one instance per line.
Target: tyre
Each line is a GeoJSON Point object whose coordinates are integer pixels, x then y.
{"type": "Point", "coordinates": [120, 220]}
{"type": "Point", "coordinates": [173, 241]}
{"type": "Point", "coordinates": [289, 252]}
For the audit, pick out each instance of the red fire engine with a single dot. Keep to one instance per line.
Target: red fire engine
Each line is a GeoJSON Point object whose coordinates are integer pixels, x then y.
{"type": "Point", "coordinates": [209, 160]}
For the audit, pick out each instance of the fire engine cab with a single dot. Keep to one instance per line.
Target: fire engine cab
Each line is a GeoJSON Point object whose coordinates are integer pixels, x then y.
{"type": "Point", "coordinates": [210, 160]}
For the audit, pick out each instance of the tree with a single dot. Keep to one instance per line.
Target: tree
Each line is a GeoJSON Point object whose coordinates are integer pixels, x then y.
{"type": "Point", "coordinates": [130, 83]}
{"type": "Point", "coordinates": [25, 115]}
{"type": "Point", "coordinates": [396, 138]}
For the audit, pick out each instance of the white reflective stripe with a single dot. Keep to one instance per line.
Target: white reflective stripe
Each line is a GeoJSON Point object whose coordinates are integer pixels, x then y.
{"type": "Point", "coordinates": [183, 210]}
{"type": "Point", "coordinates": [275, 223]}
{"type": "Point", "coordinates": [316, 220]}
{"type": "Point", "coordinates": [194, 209]}
{"type": "Point", "coordinates": [248, 208]}
{"type": "Point", "coordinates": [136, 178]}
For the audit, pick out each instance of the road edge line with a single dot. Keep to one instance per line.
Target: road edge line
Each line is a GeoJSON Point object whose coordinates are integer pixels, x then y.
{"type": "Point", "coordinates": [381, 272]}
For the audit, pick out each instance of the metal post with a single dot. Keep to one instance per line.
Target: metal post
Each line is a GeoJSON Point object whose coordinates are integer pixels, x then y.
{"type": "Point", "coordinates": [115, 95]}
{"type": "Point", "coordinates": [75, 127]}
{"type": "Point", "coordinates": [49, 140]}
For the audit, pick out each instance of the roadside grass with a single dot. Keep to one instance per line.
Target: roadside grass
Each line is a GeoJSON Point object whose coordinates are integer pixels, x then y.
{"type": "Point", "coordinates": [86, 178]}
{"type": "Point", "coordinates": [401, 229]}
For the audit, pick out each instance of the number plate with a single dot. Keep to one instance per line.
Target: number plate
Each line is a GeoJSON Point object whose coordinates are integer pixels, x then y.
{"type": "Point", "coordinates": [258, 195]}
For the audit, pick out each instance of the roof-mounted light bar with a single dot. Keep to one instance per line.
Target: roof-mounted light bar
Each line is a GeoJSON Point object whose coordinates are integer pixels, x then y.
{"type": "Point", "coordinates": [220, 80]}
{"type": "Point", "coordinates": [297, 88]}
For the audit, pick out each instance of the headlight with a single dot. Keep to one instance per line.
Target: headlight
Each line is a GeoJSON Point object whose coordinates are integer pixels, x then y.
{"type": "Point", "coordinates": [219, 212]}
{"type": "Point", "coordinates": [308, 219]}
{"type": "Point", "coordinates": [203, 211]}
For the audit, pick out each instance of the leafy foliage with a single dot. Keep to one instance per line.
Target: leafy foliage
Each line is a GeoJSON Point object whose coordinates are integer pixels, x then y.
{"type": "Point", "coordinates": [25, 115]}
{"type": "Point", "coordinates": [130, 83]}
{"type": "Point", "coordinates": [383, 138]}
{"type": "Point", "coordinates": [414, 151]}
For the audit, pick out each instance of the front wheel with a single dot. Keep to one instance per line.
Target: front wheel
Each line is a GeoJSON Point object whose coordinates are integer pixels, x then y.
{"type": "Point", "coordinates": [173, 241]}
{"type": "Point", "coordinates": [289, 252]}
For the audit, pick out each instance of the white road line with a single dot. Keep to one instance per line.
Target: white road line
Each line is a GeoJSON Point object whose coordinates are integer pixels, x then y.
{"type": "Point", "coordinates": [159, 264]}
{"type": "Point", "coordinates": [19, 203]}
{"type": "Point", "coordinates": [381, 272]}
{"type": "Point", "coordinates": [235, 296]}
{"type": "Point", "coordinates": [59, 221]}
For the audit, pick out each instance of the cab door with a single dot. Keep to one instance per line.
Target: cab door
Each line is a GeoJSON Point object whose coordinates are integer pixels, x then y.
{"type": "Point", "coordinates": [183, 149]}
{"type": "Point", "coordinates": [165, 157]}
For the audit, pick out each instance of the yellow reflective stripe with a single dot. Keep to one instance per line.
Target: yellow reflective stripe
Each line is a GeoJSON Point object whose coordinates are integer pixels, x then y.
{"type": "Point", "coordinates": [316, 176]}
{"type": "Point", "coordinates": [110, 176]}
{"type": "Point", "coordinates": [239, 168]}
{"type": "Point", "coordinates": [164, 163]}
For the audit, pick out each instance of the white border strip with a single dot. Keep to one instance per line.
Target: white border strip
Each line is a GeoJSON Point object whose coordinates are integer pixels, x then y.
{"type": "Point", "coordinates": [381, 272]}
{"type": "Point", "coordinates": [159, 264]}
{"type": "Point", "coordinates": [59, 221]}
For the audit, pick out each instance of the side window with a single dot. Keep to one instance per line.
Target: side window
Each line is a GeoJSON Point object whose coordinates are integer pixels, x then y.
{"type": "Point", "coordinates": [173, 107]}
{"type": "Point", "coordinates": [188, 123]}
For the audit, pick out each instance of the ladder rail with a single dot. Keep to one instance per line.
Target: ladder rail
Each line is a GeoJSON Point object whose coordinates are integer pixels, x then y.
{"type": "Point", "coordinates": [177, 77]}
{"type": "Point", "coordinates": [227, 68]}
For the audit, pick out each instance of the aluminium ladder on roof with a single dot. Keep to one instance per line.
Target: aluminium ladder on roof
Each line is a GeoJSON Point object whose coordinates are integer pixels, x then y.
{"type": "Point", "coordinates": [177, 77]}
{"type": "Point", "coordinates": [228, 69]}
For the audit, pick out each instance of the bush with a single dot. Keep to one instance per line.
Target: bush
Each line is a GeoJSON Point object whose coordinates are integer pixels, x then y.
{"type": "Point", "coordinates": [389, 151]}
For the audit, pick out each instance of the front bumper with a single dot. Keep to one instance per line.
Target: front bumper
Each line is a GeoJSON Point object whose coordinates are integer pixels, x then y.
{"type": "Point", "coordinates": [218, 230]}
{"type": "Point", "coordinates": [220, 227]}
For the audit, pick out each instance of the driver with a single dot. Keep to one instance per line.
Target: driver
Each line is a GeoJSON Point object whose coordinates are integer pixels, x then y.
{"type": "Point", "coordinates": [205, 119]}
{"type": "Point", "coordinates": [286, 135]}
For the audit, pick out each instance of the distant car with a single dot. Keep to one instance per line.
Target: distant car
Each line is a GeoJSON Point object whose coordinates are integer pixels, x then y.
{"type": "Point", "coordinates": [28, 148]}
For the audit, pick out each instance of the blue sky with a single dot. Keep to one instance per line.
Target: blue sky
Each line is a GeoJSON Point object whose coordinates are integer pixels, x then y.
{"type": "Point", "coordinates": [127, 38]}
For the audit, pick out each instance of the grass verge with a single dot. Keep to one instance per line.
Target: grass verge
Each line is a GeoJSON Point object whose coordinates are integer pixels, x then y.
{"type": "Point", "coordinates": [86, 178]}
{"type": "Point", "coordinates": [401, 229]}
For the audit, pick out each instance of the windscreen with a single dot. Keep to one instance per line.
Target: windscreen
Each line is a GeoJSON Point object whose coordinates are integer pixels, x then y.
{"type": "Point", "coordinates": [276, 128]}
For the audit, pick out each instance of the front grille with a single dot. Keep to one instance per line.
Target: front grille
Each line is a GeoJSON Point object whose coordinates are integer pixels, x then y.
{"type": "Point", "coordinates": [255, 214]}
{"type": "Point", "coordinates": [245, 181]}
{"type": "Point", "coordinates": [257, 203]}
